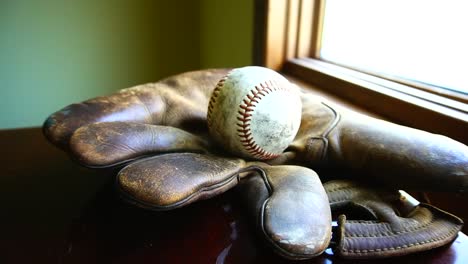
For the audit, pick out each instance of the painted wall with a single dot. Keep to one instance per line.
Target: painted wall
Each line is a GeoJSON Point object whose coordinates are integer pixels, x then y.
{"type": "Point", "coordinates": [226, 34]}
{"type": "Point", "coordinates": [53, 52]}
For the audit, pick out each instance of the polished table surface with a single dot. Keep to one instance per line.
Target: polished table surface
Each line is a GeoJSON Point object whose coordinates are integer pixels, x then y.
{"type": "Point", "coordinates": [54, 211]}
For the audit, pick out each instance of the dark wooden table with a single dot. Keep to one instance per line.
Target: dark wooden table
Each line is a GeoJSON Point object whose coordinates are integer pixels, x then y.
{"type": "Point", "coordinates": [54, 211]}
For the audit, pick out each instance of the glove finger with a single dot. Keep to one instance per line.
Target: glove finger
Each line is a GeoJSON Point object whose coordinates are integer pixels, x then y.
{"type": "Point", "coordinates": [177, 101]}
{"type": "Point", "coordinates": [174, 180]}
{"type": "Point", "coordinates": [422, 228]}
{"type": "Point", "coordinates": [112, 143]}
{"type": "Point", "coordinates": [391, 155]}
{"type": "Point", "coordinates": [291, 210]}
{"type": "Point", "coordinates": [404, 158]}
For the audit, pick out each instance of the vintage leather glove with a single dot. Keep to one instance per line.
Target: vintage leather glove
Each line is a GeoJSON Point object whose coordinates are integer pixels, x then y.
{"type": "Point", "coordinates": [170, 117]}
{"type": "Point", "coordinates": [372, 223]}
{"type": "Point", "coordinates": [295, 216]}
{"type": "Point", "coordinates": [379, 151]}
{"type": "Point", "coordinates": [178, 103]}
{"type": "Point", "coordinates": [158, 133]}
{"type": "Point", "coordinates": [375, 223]}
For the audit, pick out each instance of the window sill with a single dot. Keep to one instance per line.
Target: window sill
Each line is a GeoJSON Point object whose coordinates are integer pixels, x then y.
{"type": "Point", "coordinates": [394, 101]}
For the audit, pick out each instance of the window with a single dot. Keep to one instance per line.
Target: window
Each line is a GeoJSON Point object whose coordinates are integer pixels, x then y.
{"type": "Point", "coordinates": [412, 40]}
{"type": "Point", "coordinates": [332, 45]}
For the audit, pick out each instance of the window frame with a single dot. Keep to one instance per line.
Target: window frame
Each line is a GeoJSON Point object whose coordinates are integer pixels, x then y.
{"type": "Point", "coordinates": [287, 39]}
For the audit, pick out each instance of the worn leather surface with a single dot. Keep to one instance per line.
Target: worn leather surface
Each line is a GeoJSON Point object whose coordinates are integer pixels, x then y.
{"type": "Point", "coordinates": [98, 133]}
{"type": "Point", "coordinates": [379, 151]}
{"type": "Point", "coordinates": [293, 210]}
{"type": "Point", "coordinates": [158, 133]}
{"type": "Point", "coordinates": [169, 181]}
{"type": "Point", "coordinates": [385, 223]}
{"type": "Point", "coordinates": [290, 210]}
{"type": "Point", "coordinates": [105, 144]}
{"type": "Point", "coordinates": [179, 101]}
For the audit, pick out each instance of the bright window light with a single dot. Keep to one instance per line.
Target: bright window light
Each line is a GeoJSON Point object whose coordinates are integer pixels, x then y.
{"type": "Point", "coordinates": [418, 40]}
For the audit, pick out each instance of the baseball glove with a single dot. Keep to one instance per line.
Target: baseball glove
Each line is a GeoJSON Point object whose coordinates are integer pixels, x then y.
{"type": "Point", "coordinates": [157, 134]}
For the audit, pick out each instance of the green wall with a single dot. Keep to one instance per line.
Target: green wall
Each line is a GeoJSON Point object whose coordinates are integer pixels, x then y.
{"type": "Point", "coordinates": [226, 33]}
{"type": "Point", "coordinates": [54, 52]}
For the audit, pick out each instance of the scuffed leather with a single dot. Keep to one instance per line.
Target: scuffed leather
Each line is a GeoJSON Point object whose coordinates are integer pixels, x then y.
{"type": "Point", "coordinates": [106, 144]}
{"type": "Point", "coordinates": [169, 181]}
{"type": "Point", "coordinates": [290, 209]}
{"type": "Point", "coordinates": [178, 101]}
{"type": "Point", "coordinates": [139, 126]}
{"type": "Point", "coordinates": [382, 152]}
{"type": "Point", "coordinates": [384, 223]}
{"type": "Point", "coordinates": [289, 201]}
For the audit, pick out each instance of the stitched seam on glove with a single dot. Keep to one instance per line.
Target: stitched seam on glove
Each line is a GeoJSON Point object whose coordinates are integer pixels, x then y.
{"type": "Point", "coordinates": [338, 200]}
{"type": "Point", "coordinates": [386, 234]}
{"type": "Point", "coordinates": [451, 233]}
{"type": "Point", "coordinates": [367, 222]}
{"type": "Point", "coordinates": [391, 233]}
{"type": "Point", "coordinates": [341, 188]}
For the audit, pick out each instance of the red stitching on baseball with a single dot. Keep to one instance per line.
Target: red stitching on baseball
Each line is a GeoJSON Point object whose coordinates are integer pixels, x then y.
{"type": "Point", "coordinates": [214, 95]}
{"type": "Point", "coordinates": [245, 112]}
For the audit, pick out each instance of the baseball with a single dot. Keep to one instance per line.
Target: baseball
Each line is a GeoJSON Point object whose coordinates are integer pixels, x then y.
{"type": "Point", "coordinates": [254, 112]}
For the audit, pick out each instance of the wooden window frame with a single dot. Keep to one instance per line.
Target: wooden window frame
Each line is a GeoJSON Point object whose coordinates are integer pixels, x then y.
{"type": "Point", "coordinates": [287, 39]}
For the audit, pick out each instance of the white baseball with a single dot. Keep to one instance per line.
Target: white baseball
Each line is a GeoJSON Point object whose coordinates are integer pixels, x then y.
{"type": "Point", "coordinates": [254, 112]}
